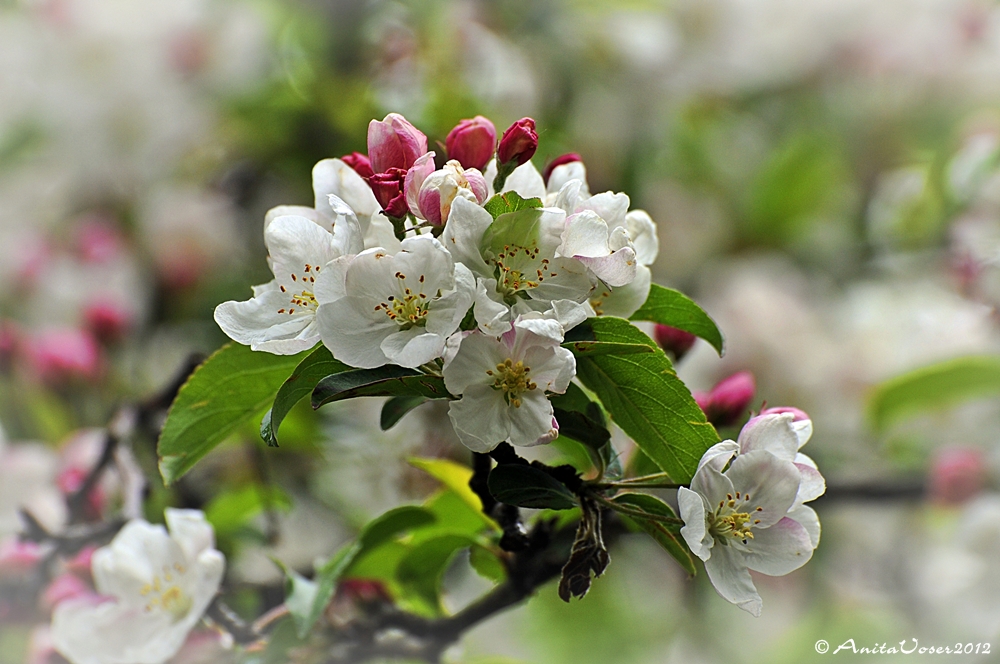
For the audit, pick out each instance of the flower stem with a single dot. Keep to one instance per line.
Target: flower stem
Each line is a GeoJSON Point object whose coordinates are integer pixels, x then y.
{"type": "Point", "coordinates": [644, 482]}
{"type": "Point", "coordinates": [641, 514]}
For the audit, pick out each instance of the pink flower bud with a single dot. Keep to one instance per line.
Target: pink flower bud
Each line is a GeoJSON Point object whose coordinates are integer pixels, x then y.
{"type": "Point", "coordinates": [63, 587]}
{"type": "Point", "coordinates": [98, 240]}
{"type": "Point", "coordinates": [797, 415]}
{"type": "Point", "coordinates": [107, 321]}
{"type": "Point", "coordinates": [440, 188]}
{"type": "Point", "coordinates": [360, 163]}
{"type": "Point", "coordinates": [956, 475]}
{"type": "Point", "coordinates": [388, 190]}
{"type": "Point", "coordinates": [364, 590]}
{"type": "Point", "coordinates": [63, 354]}
{"type": "Point", "coordinates": [394, 143]}
{"type": "Point", "coordinates": [559, 161]}
{"type": "Point", "coordinates": [519, 142]}
{"type": "Point", "coordinates": [472, 142]}
{"type": "Point", "coordinates": [17, 558]}
{"type": "Point", "coordinates": [674, 341]}
{"type": "Point", "coordinates": [415, 177]}
{"type": "Point", "coordinates": [729, 399]}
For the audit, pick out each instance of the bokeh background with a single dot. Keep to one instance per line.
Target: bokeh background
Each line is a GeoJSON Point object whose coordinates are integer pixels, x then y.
{"type": "Point", "coordinates": [825, 176]}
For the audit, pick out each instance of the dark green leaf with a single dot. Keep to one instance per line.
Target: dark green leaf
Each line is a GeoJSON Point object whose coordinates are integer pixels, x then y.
{"type": "Point", "coordinates": [387, 381]}
{"type": "Point", "coordinates": [591, 348]}
{"type": "Point", "coordinates": [584, 421]}
{"type": "Point", "coordinates": [934, 387]}
{"type": "Point", "coordinates": [646, 399]}
{"type": "Point", "coordinates": [526, 486]}
{"type": "Point", "coordinates": [317, 365]}
{"type": "Point", "coordinates": [392, 523]}
{"type": "Point", "coordinates": [395, 408]}
{"type": "Point", "coordinates": [510, 201]}
{"type": "Point", "coordinates": [232, 385]}
{"type": "Point", "coordinates": [669, 307]}
{"type": "Point", "coordinates": [666, 535]}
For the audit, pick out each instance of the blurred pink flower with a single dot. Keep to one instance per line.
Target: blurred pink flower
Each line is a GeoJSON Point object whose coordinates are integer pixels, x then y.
{"type": "Point", "coordinates": [63, 354]}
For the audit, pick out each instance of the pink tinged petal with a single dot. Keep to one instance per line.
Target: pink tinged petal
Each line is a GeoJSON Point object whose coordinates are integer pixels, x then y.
{"type": "Point", "coordinates": [412, 347]}
{"type": "Point", "coordinates": [477, 184]}
{"type": "Point", "coordinates": [728, 573]}
{"type": "Point", "coordinates": [480, 418]}
{"type": "Point", "coordinates": [572, 164]}
{"type": "Point", "coordinates": [713, 485]}
{"type": "Point", "coordinates": [810, 521]}
{"type": "Point", "coordinates": [812, 484]}
{"type": "Point", "coordinates": [778, 549]}
{"type": "Point", "coordinates": [695, 531]}
{"type": "Point", "coordinates": [642, 231]}
{"type": "Point", "coordinates": [771, 484]}
{"type": "Point", "coordinates": [429, 204]}
{"type": "Point", "coordinates": [415, 178]}
{"type": "Point", "coordinates": [609, 206]}
{"type": "Point", "coordinates": [531, 422]}
{"type": "Point", "coordinates": [618, 269]}
{"type": "Point", "coordinates": [772, 433]}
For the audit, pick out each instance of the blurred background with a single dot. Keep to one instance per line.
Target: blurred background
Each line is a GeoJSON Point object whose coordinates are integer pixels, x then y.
{"type": "Point", "coordinates": [825, 177]}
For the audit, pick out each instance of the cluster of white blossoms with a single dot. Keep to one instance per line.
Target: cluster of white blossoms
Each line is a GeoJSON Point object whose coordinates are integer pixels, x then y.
{"type": "Point", "coordinates": [400, 262]}
{"type": "Point", "coordinates": [745, 509]}
{"type": "Point", "coordinates": [152, 588]}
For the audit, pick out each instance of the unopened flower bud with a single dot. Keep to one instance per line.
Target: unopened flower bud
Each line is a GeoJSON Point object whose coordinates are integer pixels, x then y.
{"type": "Point", "coordinates": [472, 142]}
{"type": "Point", "coordinates": [64, 354]}
{"type": "Point", "coordinates": [441, 187]}
{"type": "Point", "coordinates": [107, 321]}
{"type": "Point", "coordinates": [729, 399]}
{"type": "Point", "coordinates": [394, 143]}
{"type": "Point", "coordinates": [674, 341]}
{"type": "Point", "coordinates": [797, 415]}
{"type": "Point", "coordinates": [360, 163]}
{"type": "Point", "coordinates": [956, 475]}
{"type": "Point", "coordinates": [388, 190]}
{"type": "Point", "coordinates": [560, 161]}
{"type": "Point", "coordinates": [518, 143]}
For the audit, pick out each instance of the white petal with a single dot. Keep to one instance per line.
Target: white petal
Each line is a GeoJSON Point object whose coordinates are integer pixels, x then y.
{"type": "Point", "coordinates": [560, 175]}
{"type": "Point", "coordinates": [480, 418]}
{"type": "Point", "coordinates": [190, 530]}
{"type": "Point", "coordinates": [712, 484]}
{"type": "Point", "coordinates": [381, 234]}
{"type": "Point", "coordinates": [772, 433]}
{"type": "Point", "coordinates": [354, 333]}
{"type": "Point", "coordinates": [294, 242]}
{"type": "Point", "coordinates": [732, 579]}
{"type": "Point", "coordinates": [333, 176]}
{"type": "Point", "coordinates": [779, 549]}
{"type": "Point", "coordinates": [609, 206]}
{"type": "Point", "coordinates": [809, 520]}
{"type": "Point", "coordinates": [718, 455]}
{"type": "Point", "coordinates": [294, 210]}
{"type": "Point", "coordinates": [136, 555]}
{"type": "Point", "coordinates": [695, 530]}
{"type": "Point", "coordinates": [526, 181]}
{"type": "Point", "coordinates": [642, 232]}
{"type": "Point", "coordinates": [572, 281]}
{"type": "Point", "coordinates": [345, 226]}
{"type": "Point", "coordinates": [551, 368]}
{"type": "Point", "coordinates": [113, 633]}
{"type": "Point", "coordinates": [257, 323]}
{"type": "Point", "coordinates": [624, 300]}
{"type": "Point", "coordinates": [616, 270]}
{"type": "Point", "coordinates": [570, 195]}
{"type": "Point", "coordinates": [812, 484]}
{"type": "Point", "coordinates": [477, 354]}
{"type": "Point", "coordinates": [492, 315]}
{"type": "Point", "coordinates": [532, 420]}
{"type": "Point", "coordinates": [770, 483]}
{"type": "Point", "coordinates": [803, 430]}
{"type": "Point", "coordinates": [412, 347]}
{"type": "Point", "coordinates": [585, 234]}
{"type": "Point", "coordinates": [463, 234]}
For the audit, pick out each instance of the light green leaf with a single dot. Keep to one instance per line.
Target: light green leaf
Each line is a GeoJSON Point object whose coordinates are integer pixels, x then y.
{"type": "Point", "coordinates": [316, 366]}
{"type": "Point", "coordinates": [669, 307]}
{"type": "Point", "coordinates": [387, 381]}
{"type": "Point", "coordinates": [934, 387]}
{"type": "Point", "coordinates": [509, 201]}
{"type": "Point", "coordinates": [645, 398]}
{"type": "Point", "coordinates": [487, 564]}
{"type": "Point", "coordinates": [307, 599]}
{"type": "Point", "coordinates": [666, 535]}
{"type": "Point", "coordinates": [232, 385]}
{"type": "Point", "coordinates": [521, 229]}
{"type": "Point", "coordinates": [230, 510]}
{"type": "Point", "coordinates": [454, 476]}
{"type": "Point", "coordinates": [419, 572]}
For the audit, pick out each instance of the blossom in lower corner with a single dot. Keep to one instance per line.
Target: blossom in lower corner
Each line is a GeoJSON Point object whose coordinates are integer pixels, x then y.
{"type": "Point", "coordinates": [503, 384]}
{"type": "Point", "coordinates": [741, 519]}
{"type": "Point", "coordinates": [153, 589]}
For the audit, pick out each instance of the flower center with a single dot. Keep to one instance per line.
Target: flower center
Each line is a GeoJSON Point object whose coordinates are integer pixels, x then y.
{"type": "Point", "coordinates": [303, 300]}
{"type": "Point", "coordinates": [518, 269]}
{"type": "Point", "coordinates": [163, 596]}
{"type": "Point", "coordinates": [409, 309]}
{"type": "Point", "coordinates": [728, 522]}
{"type": "Point", "coordinates": [512, 379]}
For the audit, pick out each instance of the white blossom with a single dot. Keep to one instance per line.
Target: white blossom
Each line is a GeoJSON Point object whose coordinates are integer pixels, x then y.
{"type": "Point", "coordinates": [503, 383]}
{"type": "Point", "coordinates": [281, 316]}
{"type": "Point", "coordinates": [154, 588]}
{"type": "Point", "coordinates": [395, 309]}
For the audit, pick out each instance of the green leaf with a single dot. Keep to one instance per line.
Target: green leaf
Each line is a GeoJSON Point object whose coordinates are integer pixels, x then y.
{"type": "Point", "coordinates": [230, 510]}
{"type": "Point", "coordinates": [317, 365]}
{"type": "Point", "coordinates": [591, 348]}
{"type": "Point", "coordinates": [454, 476]}
{"type": "Point", "coordinates": [510, 201]}
{"type": "Point", "coordinates": [307, 599]}
{"type": "Point", "coordinates": [527, 486]}
{"type": "Point", "coordinates": [487, 564]}
{"type": "Point", "coordinates": [669, 307]}
{"type": "Point", "coordinates": [386, 381]}
{"type": "Point", "coordinates": [934, 387]}
{"type": "Point", "coordinates": [393, 523]}
{"type": "Point", "coordinates": [646, 399]}
{"type": "Point", "coordinates": [584, 421]}
{"type": "Point", "coordinates": [520, 229]}
{"type": "Point", "coordinates": [232, 385]}
{"type": "Point", "coordinates": [420, 571]}
{"type": "Point", "coordinates": [394, 409]}
{"type": "Point", "coordinates": [664, 534]}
